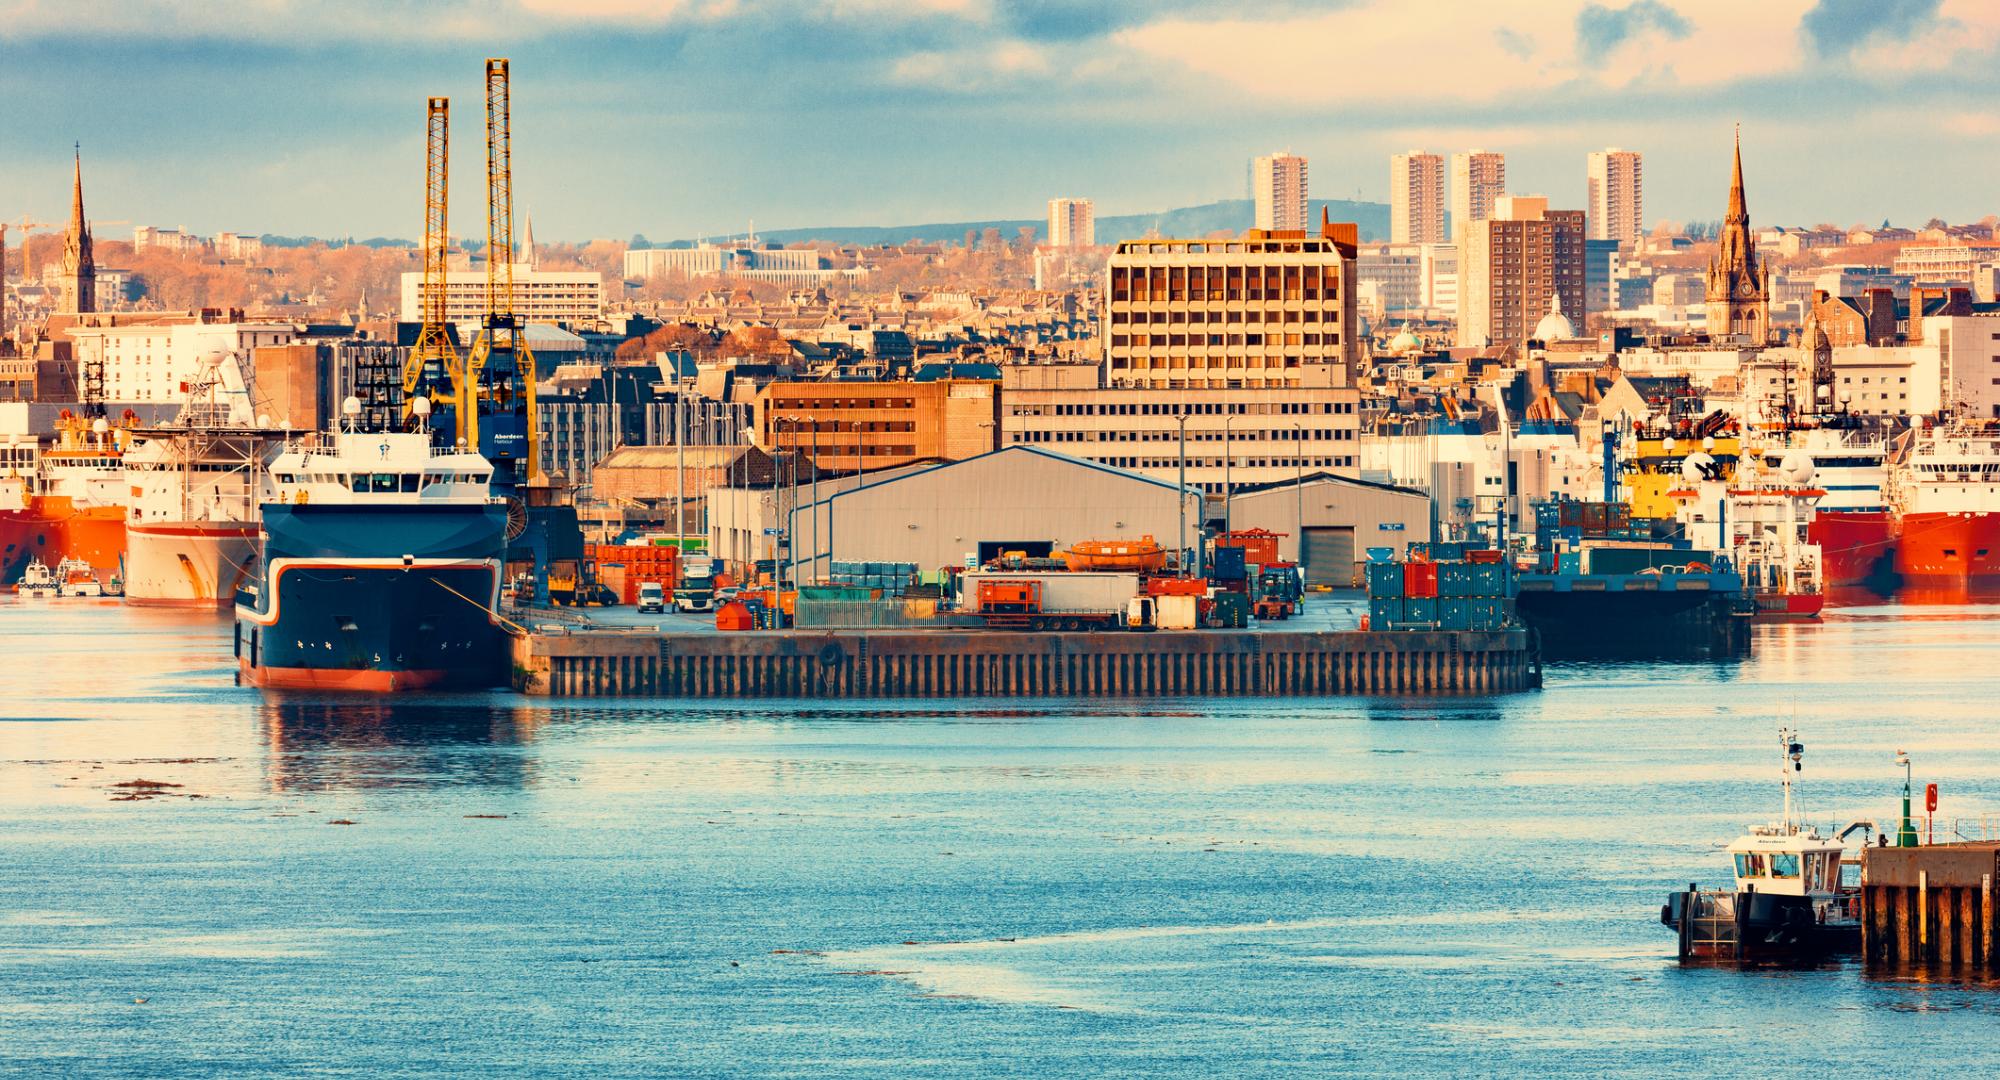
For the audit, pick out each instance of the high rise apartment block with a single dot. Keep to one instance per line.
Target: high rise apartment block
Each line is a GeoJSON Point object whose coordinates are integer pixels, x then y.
{"type": "Point", "coordinates": [1072, 223]}
{"type": "Point", "coordinates": [1477, 178]}
{"type": "Point", "coordinates": [1615, 209]}
{"type": "Point", "coordinates": [1278, 186]}
{"type": "Point", "coordinates": [1515, 267]}
{"type": "Point", "coordinates": [1416, 198]}
{"type": "Point", "coordinates": [1274, 308]}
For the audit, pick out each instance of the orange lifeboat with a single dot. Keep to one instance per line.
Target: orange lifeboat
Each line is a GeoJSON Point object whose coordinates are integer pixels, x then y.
{"type": "Point", "coordinates": [1142, 555]}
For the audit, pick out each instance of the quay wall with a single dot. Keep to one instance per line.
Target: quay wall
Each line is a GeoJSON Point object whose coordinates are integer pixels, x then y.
{"type": "Point", "coordinates": [1930, 906]}
{"type": "Point", "coordinates": [852, 663]}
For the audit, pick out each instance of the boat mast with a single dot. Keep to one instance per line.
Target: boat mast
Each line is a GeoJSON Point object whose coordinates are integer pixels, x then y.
{"type": "Point", "coordinates": [1791, 752]}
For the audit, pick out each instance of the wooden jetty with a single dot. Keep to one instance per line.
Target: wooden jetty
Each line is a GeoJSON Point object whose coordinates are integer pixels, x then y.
{"type": "Point", "coordinates": [855, 663]}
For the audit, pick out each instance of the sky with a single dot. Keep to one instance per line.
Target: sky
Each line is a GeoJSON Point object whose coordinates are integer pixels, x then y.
{"type": "Point", "coordinates": [677, 118]}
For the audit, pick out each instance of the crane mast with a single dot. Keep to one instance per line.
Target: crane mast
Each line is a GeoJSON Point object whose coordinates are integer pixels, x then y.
{"type": "Point", "coordinates": [435, 368]}
{"type": "Point", "coordinates": [500, 419]}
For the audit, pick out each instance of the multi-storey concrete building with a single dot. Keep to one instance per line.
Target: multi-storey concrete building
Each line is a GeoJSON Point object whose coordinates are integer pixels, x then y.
{"type": "Point", "coordinates": [545, 296]}
{"type": "Point", "coordinates": [1416, 198]}
{"type": "Point", "coordinates": [1072, 223]}
{"type": "Point", "coordinates": [1477, 178]}
{"type": "Point", "coordinates": [1391, 279]}
{"type": "Point", "coordinates": [1515, 266]}
{"type": "Point", "coordinates": [1437, 274]}
{"type": "Point", "coordinates": [1259, 311]}
{"type": "Point", "coordinates": [1951, 262]}
{"type": "Point", "coordinates": [1614, 178]}
{"type": "Point", "coordinates": [854, 426]}
{"type": "Point", "coordinates": [1278, 185]}
{"type": "Point", "coordinates": [1268, 434]}
{"type": "Point", "coordinates": [156, 361]}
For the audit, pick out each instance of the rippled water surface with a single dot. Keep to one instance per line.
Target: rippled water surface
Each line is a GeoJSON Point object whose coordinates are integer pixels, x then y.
{"type": "Point", "coordinates": [495, 885]}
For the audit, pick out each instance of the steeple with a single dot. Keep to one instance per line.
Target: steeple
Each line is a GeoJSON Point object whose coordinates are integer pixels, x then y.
{"type": "Point", "coordinates": [1738, 210]}
{"type": "Point", "coordinates": [528, 239]}
{"type": "Point", "coordinates": [79, 276]}
{"type": "Point", "coordinates": [1739, 287]}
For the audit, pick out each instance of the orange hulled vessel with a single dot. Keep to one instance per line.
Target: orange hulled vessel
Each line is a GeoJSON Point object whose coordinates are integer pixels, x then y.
{"type": "Point", "coordinates": [1947, 488]}
{"type": "Point", "coordinates": [66, 500]}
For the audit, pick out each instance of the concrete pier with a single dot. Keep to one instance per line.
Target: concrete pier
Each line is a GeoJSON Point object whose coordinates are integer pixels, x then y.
{"type": "Point", "coordinates": [978, 663]}
{"type": "Point", "coordinates": [1930, 906]}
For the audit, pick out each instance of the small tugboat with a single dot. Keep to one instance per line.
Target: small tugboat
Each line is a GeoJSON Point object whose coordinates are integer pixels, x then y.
{"type": "Point", "coordinates": [76, 578]}
{"type": "Point", "coordinates": [38, 582]}
{"type": "Point", "coordinates": [1788, 902]}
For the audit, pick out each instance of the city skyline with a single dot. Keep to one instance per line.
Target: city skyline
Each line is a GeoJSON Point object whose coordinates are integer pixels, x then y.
{"type": "Point", "coordinates": [677, 120]}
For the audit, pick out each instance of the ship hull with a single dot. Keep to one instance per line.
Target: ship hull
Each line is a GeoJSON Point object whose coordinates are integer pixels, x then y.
{"type": "Point", "coordinates": [376, 599]}
{"type": "Point", "coordinates": [1856, 546]}
{"type": "Point", "coordinates": [1775, 607]}
{"type": "Point", "coordinates": [193, 564]}
{"type": "Point", "coordinates": [1597, 625]}
{"type": "Point", "coordinates": [1756, 927]}
{"type": "Point", "coordinates": [24, 536]}
{"type": "Point", "coordinates": [51, 528]}
{"type": "Point", "coordinates": [1949, 547]}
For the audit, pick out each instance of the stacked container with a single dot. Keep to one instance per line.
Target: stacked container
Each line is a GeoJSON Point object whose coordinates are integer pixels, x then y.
{"type": "Point", "coordinates": [1443, 586]}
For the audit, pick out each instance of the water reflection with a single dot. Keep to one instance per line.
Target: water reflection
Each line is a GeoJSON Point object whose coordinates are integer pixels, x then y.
{"type": "Point", "coordinates": [321, 744]}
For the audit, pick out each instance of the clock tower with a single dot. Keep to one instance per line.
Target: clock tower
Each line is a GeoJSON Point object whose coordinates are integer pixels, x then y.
{"type": "Point", "coordinates": [1739, 286]}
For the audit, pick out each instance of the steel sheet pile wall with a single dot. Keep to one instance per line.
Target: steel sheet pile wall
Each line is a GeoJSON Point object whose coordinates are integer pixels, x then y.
{"type": "Point", "coordinates": [836, 663]}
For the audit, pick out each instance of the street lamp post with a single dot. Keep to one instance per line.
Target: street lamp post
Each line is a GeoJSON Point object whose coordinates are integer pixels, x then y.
{"type": "Point", "coordinates": [1228, 523]}
{"type": "Point", "coordinates": [1180, 558]}
{"type": "Point", "coordinates": [1299, 489]}
{"type": "Point", "coordinates": [815, 502]}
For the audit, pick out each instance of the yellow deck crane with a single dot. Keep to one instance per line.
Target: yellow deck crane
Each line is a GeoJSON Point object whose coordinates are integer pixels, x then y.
{"type": "Point", "coordinates": [435, 368]}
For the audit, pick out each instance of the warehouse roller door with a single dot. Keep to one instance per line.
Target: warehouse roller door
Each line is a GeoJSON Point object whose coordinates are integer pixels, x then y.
{"type": "Point", "coordinates": [1330, 557]}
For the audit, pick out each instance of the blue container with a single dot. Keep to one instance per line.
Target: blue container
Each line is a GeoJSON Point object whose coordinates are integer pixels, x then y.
{"type": "Point", "coordinates": [1488, 614]}
{"type": "Point", "coordinates": [1455, 613]}
{"type": "Point", "coordinates": [1227, 564]}
{"type": "Point", "coordinates": [1423, 611]}
{"type": "Point", "coordinates": [1384, 613]}
{"type": "Point", "coordinates": [1447, 550]}
{"type": "Point", "coordinates": [1488, 579]}
{"type": "Point", "coordinates": [1385, 580]}
{"type": "Point", "coordinates": [1456, 579]}
{"type": "Point", "coordinates": [1569, 562]}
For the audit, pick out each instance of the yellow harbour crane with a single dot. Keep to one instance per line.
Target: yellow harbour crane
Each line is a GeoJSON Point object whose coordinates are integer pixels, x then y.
{"type": "Point", "coordinates": [435, 366]}
{"type": "Point", "coordinates": [500, 420]}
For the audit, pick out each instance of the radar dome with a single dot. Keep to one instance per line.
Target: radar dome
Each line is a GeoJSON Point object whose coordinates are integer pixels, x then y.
{"type": "Point", "coordinates": [1797, 466]}
{"type": "Point", "coordinates": [1555, 326]}
{"type": "Point", "coordinates": [420, 405]}
{"type": "Point", "coordinates": [100, 426]}
{"type": "Point", "coordinates": [351, 407]}
{"type": "Point", "coordinates": [1697, 467]}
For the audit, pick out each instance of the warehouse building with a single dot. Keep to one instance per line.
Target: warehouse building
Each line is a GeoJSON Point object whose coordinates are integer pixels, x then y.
{"type": "Point", "coordinates": [1018, 498]}
{"type": "Point", "coordinates": [1343, 518]}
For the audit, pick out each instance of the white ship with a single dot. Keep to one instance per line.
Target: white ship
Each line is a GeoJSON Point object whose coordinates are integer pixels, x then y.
{"type": "Point", "coordinates": [191, 534]}
{"type": "Point", "coordinates": [1946, 491]}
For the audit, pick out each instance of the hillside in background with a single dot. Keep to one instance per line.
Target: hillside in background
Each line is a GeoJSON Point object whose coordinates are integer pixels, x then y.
{"type": "Point", "coordinates": [1234, 215]}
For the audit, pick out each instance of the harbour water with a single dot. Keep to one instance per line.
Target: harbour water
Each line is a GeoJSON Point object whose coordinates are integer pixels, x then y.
{"type": "Point", "coordinates": [1230, 887]}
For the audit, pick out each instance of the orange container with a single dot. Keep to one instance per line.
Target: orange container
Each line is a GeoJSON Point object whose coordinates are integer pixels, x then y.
{"type": "Point", "coordinates": [1162, 586]}
{"type": "Point", "coordinates": [1485, 555]}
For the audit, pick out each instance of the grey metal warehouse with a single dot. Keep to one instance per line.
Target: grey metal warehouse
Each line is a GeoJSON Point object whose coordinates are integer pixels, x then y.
{"type": "Point", "coordinates": [1014, 498]}
{"type": "Point", "coordinates": [1343, 517]}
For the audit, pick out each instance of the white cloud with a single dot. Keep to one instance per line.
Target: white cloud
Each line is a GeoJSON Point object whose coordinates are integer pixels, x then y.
{"type": "Point", "coordinates": [1470, 50]}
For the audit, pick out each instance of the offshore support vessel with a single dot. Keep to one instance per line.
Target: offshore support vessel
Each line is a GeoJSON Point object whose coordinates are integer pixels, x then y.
{"type": "Point", "coordinates": [381, 569]}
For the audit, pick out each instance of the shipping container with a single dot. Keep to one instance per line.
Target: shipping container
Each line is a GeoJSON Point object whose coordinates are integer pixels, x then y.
{"type": "Point", "coordinates": [1167, 586]}
{"type": "Point", "coordinates": [1454, 613]}
{"type": "Point", "coordinates": [1456, 579]}
{"type": "Point", "coordinates": [1488, 579]}
{"type": "Point", "coordinates": [1385, 612]}
{"type": "Point", "coordinates": [1488, 614]}
{"type": "Point", "coordinates": [1229, 564]}
{"type": "Point", "coordinates": [1420, 580]}
{"type": "Point", "coordinates": [1385, 580]}
{"type": "Point", "coordinates": [1176, 612]}
{"type": "Point", "coordinates": [1420, 610]}
{"type": "Point", "coordinates": [1065, 593]}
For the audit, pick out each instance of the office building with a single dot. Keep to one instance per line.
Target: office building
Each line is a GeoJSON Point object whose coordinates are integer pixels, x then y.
{"type": "Point", "coordinates": [1072, 223]}
{"type": "Point", "coordinates": [1615, 208]}
{"type": "Point", "coordinates": [856, 426]}
{"type": "Point", "coordinates": [1477, 178]}
{"type": "Point", "coordinates": [1517, 266]}
{"type": "Point", "coordinates": [1278, 185]}
{"type": "Point", "coordinates": [543, 296]}
{"type": "Point", "coordinates": [1275, 308]}
{"type": "Point", "coordinates": [1416, 198]}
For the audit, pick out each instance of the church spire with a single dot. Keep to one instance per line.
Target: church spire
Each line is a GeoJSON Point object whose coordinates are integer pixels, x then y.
{"type": "Point", "coordinates": [1738, 210]}
{"type": "Point", "coordinates": [79, 265]}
